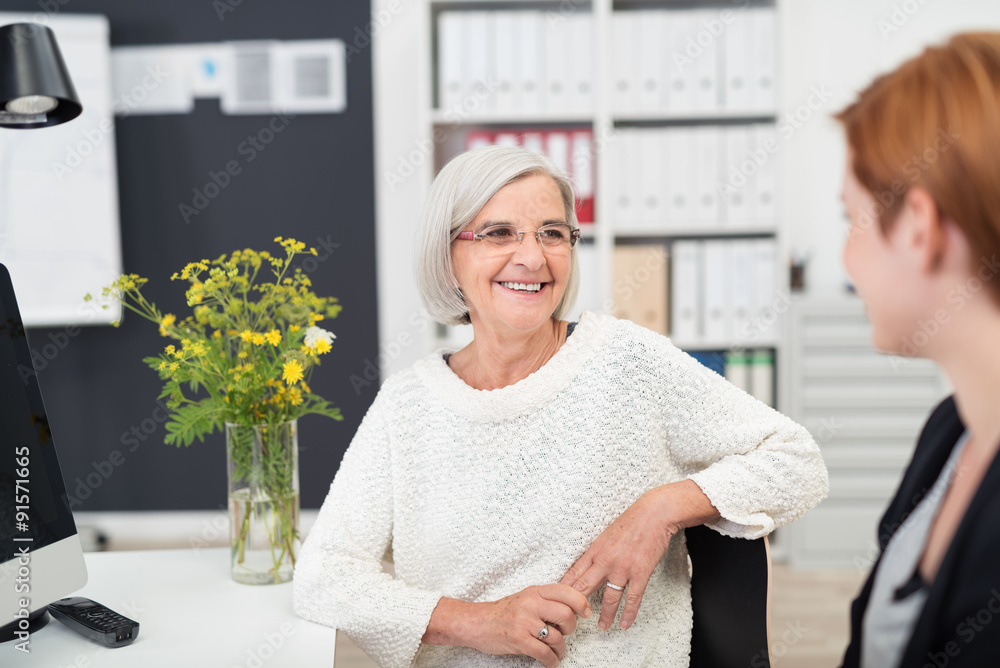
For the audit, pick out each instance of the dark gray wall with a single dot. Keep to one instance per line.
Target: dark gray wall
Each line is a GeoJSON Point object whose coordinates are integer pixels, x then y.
{"type": "Point", "coordinates": [314, 182]}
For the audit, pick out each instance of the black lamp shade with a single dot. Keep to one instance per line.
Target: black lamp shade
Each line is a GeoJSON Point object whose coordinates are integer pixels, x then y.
{"type": "Point", "coordinates": [30, 64]}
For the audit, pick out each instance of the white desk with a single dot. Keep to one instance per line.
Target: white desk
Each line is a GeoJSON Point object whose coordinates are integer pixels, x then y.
{"type": "Point", "coordinates": [191, 615]}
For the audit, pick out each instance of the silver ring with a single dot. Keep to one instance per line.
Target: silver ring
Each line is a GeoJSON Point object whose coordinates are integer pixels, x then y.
{"type": "Point", "coordinates": [543, 632]}
{"type": "Point", "coordinates": [616, 587]}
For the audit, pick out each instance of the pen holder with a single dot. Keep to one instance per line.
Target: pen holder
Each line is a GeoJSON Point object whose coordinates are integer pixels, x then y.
{"type": "Point", "coordinates": [263, 467]}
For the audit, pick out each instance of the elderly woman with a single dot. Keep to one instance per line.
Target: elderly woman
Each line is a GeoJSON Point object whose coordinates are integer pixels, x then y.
{"type": "Point", "coordinates": [922, 192]}
{"type": "Point", "coordinates": [530, 481]}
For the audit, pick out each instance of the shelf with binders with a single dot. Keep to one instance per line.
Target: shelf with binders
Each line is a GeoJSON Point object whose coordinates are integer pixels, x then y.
{"type": "Point", "coordinates": [710, 61]}
{"type": "Point", "coordinates": [694, 180]}
{"type": "Point", "coordinates": [499, 62]}
{"type": "Point", "coordinates": [515, 62]}
{"type": "Point", "coordinates": [704, 293]}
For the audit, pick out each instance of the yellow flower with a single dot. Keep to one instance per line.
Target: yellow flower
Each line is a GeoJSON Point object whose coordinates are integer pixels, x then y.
{"type": "Point", "coordinates": [170, 349]}
{"type": "Point", "coordinates": [258, 338]}
{"type": "Point", "coordinates": [163, 365]}
{"type": "Point", "coordinates": [293, 328]}
{"type": "Point", "coordinates": [323, 346]}
{"type": "Point", "coordinates": [168, 320]}
{"type": "Point", "coordinates": [174, 366]}
{"type": "Point", "coordinates": [246, 335]}
{"type": "Point", "coordinates": [305, 388]}
{"type": "Point", "coordinates": [217, 334]}
{"type": "Point", "coordinates": [242, 354]}
{"type": "Point", "coordinates": [274, 337]}
{"type": "Point", "coordinates": [292, 372]}
{"type": "Point", "coordinates": [295, 397]}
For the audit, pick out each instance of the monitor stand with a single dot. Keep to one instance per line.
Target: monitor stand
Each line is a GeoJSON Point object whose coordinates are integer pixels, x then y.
{"type": "Point", "coordinates": [36, 620]}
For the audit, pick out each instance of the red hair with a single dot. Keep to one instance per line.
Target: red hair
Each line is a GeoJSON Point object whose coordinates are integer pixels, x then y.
{"type": "Point", "coordinates": [934, 123]}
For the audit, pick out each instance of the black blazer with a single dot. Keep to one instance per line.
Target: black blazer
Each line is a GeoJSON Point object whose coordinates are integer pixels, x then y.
{"type": "Point", "coordinates": [960, 623]}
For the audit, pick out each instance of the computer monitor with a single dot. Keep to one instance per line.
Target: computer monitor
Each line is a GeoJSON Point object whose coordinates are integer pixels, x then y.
{"type": "Point", "coordinates": [41, 559]}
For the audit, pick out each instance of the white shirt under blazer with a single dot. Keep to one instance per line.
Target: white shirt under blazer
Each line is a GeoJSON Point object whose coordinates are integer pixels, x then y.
{"type": "Point", "coordinates": [480, 494]}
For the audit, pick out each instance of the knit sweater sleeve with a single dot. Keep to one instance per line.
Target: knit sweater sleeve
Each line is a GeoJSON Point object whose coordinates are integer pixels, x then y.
{"type": "Point", "coordinates": [759, 468]}
{"type": "Point", "coordinates": [339, 580]}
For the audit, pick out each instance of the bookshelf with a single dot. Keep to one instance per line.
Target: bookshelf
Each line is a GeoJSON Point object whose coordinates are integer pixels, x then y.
{"type": "Point", "coordinates": [617, 68]}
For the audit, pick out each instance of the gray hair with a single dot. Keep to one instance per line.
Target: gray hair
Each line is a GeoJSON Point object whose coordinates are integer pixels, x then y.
{"type": "Point", "coordinates": [458, 194]}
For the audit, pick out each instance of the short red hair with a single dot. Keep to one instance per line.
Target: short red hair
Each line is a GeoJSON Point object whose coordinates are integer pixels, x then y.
{"type": "Point", "coordinates": [934, 123]}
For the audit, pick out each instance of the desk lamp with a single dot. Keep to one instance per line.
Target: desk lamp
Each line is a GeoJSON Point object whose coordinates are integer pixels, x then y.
{"type": "Point", "coordinates": [35, 88]}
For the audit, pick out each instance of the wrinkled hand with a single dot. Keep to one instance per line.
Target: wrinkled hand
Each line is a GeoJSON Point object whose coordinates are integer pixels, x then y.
{"type": "Point", "coordinates": [628, 550]}
{"type": "Point", "coordinates": [511, 625]}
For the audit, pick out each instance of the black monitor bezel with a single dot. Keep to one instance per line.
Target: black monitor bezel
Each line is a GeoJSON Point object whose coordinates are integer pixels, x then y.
{"type": "Point", "coordinates": [63, 525]}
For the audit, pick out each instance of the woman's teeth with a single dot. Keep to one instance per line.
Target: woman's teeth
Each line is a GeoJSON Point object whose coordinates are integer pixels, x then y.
{"type": "Point", "coordinates": [523, 287]}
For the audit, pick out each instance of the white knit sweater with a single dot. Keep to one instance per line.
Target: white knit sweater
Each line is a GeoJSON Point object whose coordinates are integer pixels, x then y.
{"type": "Point", "coordinates": [483, 493]}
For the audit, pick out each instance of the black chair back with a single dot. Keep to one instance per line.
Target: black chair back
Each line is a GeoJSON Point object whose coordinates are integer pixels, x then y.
{"type": "Point", "coordinates": [730, 597]}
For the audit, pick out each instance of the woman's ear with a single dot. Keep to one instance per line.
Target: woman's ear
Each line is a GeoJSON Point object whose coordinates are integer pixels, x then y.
{"type": "Point", "coordinates": [921, 229]}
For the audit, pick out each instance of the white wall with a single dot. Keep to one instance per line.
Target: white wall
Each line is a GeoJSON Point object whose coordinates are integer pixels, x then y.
{"type": "Point", "coordinates": [839, 46]}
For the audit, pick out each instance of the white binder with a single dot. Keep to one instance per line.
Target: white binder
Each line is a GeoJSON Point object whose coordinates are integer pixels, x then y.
{"type": "Point", "coordinates": [764, 209]}
{"type": "Point", "coordinates": [557, 150]}
{"type": "Point", "coordinates": [505, 46]}
{"type": "Point", "coordinates": [625, 65]}
{"type": "Point", "coordinates": [738, 184]}
{"type": "Point", "coordinates": [738, 45]}
{"type": "Point", "coordinates": [743, 298]}
{"type": "Point", "coordinates": [763, 22]}
{"type": "Point", "coordinates": [706, 65]}
{"type": "Point", "coordinates": [582, 49]}
{"type": "Point", "coordinates": [534, 141]}
{"type": "Point", "coordinates": [715, 275]}
{"type": "Point", "coordinates": [479, 52]}
{"type": "Point", "coordinates": [738, 369]}
{"type": "Point", "coordinates": [681, 153]}
{"type": "Point", "coordinates": [624, 150]}
{"type": "Point", "coordinates": [506, 139]}
{"type": "Point", "coordinates": [686, 298]}
{"type": "Point", "coordinates": [557, 38]}
{"type": "Point", "coordinates": [762, 375]}
{"type": "Point", "coordinates": [651, 190]}
{"type": "Point", "coordinates": [682, 71]}
{"type": "Point", "coordinates": [767, 298]}
{"type": "Point", "coordinates": [651, 43]}
{"type": "Point", "coordinates": [451, 59]}
{"type": "Point", "coordinates": [530, 28]}
{"type": "Point", "coordinates": [706, 159]}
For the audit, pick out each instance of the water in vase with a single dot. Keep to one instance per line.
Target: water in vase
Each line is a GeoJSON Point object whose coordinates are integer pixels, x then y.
{"type": "Point", "coordinates": [264, 536]}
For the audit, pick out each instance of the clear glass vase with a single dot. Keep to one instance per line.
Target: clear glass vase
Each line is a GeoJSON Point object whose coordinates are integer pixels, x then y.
{"type": "Point", "coordinates": [263, 464]}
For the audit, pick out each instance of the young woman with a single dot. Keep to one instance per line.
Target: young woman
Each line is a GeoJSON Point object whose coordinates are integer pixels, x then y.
{"type": "Point", "coordinates": [922, 191]}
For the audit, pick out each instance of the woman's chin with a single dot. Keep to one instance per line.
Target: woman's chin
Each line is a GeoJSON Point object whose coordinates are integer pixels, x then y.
{"type": "Point", "coordinates": [524, 319]}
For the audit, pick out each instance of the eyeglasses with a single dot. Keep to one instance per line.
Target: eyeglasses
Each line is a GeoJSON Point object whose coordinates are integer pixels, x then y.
{"type": "Point", "coordinates": [552, 237]}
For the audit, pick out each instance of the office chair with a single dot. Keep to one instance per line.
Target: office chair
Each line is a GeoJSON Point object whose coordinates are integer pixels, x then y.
{"type": "Point", "coordinates": [731, 600]}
